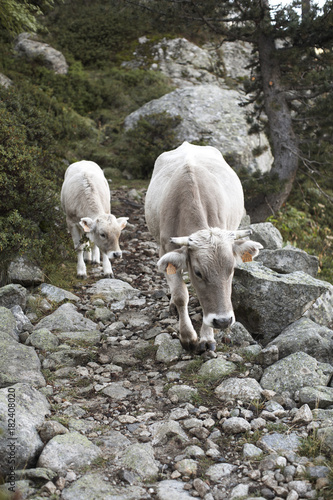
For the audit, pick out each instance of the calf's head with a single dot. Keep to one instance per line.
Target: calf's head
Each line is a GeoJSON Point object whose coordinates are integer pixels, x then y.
{"type": "Point", "coordinates": [210, 256]}
{"type": "Point", "coordinates": [105, 231]}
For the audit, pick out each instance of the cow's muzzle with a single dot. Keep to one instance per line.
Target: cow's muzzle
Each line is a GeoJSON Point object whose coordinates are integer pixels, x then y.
{"type": "Point", "coordinates": [222, 323]}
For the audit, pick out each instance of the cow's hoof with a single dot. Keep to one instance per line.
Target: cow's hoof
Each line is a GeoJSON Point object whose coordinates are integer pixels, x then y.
{"type": "Point", "coordinates": [109, 276]}
{"type": "Point", "coordinates": [189, 346]}
{"type": "Point", "coordinates": [81, 276]}
{"type": "Point", "coordinates": [204, 346]}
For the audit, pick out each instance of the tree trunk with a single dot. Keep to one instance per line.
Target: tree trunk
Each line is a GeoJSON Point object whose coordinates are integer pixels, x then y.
{"type": "Point", "coordinates": [282, 138]}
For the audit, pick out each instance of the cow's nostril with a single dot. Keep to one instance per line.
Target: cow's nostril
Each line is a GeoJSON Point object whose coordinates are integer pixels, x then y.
{"type": "Point", "coordinates": [222, 323]}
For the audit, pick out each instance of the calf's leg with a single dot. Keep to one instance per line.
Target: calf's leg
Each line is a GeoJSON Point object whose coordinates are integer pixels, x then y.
{"type": "Point", "coordinates": [207, 340]}
{"type": "Point", "coordinates": [81, 270]}
{"type": "Point", "coordinates": [179, 298]}
{"type": "Point", "coordinates": [107, 268]}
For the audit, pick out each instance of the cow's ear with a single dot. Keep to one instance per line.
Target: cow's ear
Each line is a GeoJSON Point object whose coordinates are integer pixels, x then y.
{"type": "Point", "coordinates": [173, 261]}
{"type": "Point", "coordinates": [246, 248]}
{"type": "Point", "coordinates": [122, 221]}
{"type": "Point", "coordinates": [86, 223]}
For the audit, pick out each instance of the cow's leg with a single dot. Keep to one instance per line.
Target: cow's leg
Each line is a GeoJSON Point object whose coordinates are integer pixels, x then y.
{"type": "Point", "coordinates": [81, 270]}
{"type": "Point", "coordinates": [107, 268]}
{"type": "Point", "coordinates": [179, 298]}
{"type": "Point", "coordinates": [87, 253]}
{"type": "Point", "coordinates": [96, 257]}
{"type": "Point", "coordinates": [207, 340]}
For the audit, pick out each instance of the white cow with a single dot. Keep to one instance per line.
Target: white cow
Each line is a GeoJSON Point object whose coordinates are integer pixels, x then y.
{"type": "Point", "coordinates": [195, 201]}
{"type": "Point", "coordinates": [86, 201]}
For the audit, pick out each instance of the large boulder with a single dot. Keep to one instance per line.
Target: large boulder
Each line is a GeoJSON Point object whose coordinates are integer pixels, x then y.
{"type": "Point", "coordinates": [267, 302]}
{"type": "Point", "coordinates": [306, 336]}
{"type": "Point", "coordinates": [294, 372]}
{"type": "Point", "coordinates": [24, 272]}
{"type": "Point", "coordinates": [30, 407]}
{"type": "Point", "coordinates": [289, 259]}
{"type": "Point", "coordinates": [211, 113]}
{"type": "Point", "coordinates": [18, 363]}
{"type": "Point", "coordinates": [31, 49]}
{"type": "Point", "coordinates": [66, 318]}
{"type": "Point", "coordinates": [13, 295]}
{"type": "Point", "coordinates": [184, 63]}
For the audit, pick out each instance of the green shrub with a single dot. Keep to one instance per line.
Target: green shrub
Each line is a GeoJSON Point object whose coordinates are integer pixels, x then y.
{"type": "Point", "coordinates": [29, 215]}
{"type": "Point", "coordinates": [152, 135]}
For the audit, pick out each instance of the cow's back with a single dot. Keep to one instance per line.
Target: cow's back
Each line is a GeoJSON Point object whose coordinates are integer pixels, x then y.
{"type": "Point", "coordinates": [85, 191]}
{"type": "Point", "coordinates": [190, 186]}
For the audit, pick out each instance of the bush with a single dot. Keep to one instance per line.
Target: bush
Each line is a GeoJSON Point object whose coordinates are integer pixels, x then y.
{"type": "Point", "coordinates": [29, 213]}
{"type": "Point", "coordinates": [141, 145]}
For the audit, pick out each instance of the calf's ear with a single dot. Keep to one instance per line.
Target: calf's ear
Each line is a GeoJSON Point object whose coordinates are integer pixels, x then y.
{"type": "Point", "coordinates": [245, 248]}
{"type": "Point", "coordinates": [86, 223]}
{"type": "Point", "coordinates": [174, 261]}
{"type": "Point", "coordinates": [122, 221]}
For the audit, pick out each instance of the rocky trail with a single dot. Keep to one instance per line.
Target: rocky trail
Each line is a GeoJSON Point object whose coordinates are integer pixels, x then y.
{"type": "Point", "coordinates": [114, 408]}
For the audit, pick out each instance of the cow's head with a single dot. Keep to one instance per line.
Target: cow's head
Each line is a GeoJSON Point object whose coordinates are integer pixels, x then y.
{"type": "Point", "coordinates": [105, 231]}
{"type": "Point", "coordinates": [210, 256]}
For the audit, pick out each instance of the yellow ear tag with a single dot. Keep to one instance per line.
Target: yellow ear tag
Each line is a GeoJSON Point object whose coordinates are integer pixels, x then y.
{"type": "Point", "coordinates": [171, 269]}
{"type": "Point", "coordinates": [247, 257]}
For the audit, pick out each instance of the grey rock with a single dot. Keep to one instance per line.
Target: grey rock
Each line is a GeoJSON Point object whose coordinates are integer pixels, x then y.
{"type": "Point", "coordinates": [306, 336]}
{"type": "Point", "coordinates": [162, 432]}
{"type": "Point", "coordinates": [51, 428]}
{"type": "Point", "coordinates": [36, 473]}
{"type": "Point", "coordinates": [68, 450]}
{"type": "Point", "coordinates": [203, 109]}
{"type": "Point", "coordinates": [321, 311]}
{"type": "Point", "coordinates": [280, 443]}
{"type": "Point", "coordinates": [168, 349]}
{"type": "Point", "coordinates": [266, 234]}
{"type": "Point", "coordinates": [182, 393]}
{"type": "Point", "coordinates": [31, 407]}
{"type": "Point", "coordinates": [251, 451]}
{"type": "Point", "coordinates": [114, 441]}
{"type": "Point", "coordinates": [116, 391]}
{"type": "Point", "coordinates": [55, 294]}
{"type": "Point", "coordinates": [218, 471]}
{"type": "Point", "coordinates": [267, 302]}
{"type": "Point", "coordinates": [139, 458]}
{"type": "Point", "coordinates": [213, 369]}
{"type": "Point", "coordinates": [32, 49]}
{"type": "Point", "coordinates": [239, 334]}
{"type": "Point", "coordinates": [66, 318]}
{"type": "Point", "coordinates": [316, 396]}
{"type": "Point", "coordinates": [112, 289]}
{"type": "Point", "coordinates": [43, 339]}
{"type": "Point", "coordinates": [5, 81]}
{"type": "Point", "coordinates": [13, 295]}
{"type": "Point", "coordinates": [172, 489]}
{"type": "Point", "coordinates": [19, 364]}
{"type": "Point", "coordinates": [94, 486]}
{"type": "Point", "coordinates": [135, 320]}
{"type": "Point", "coordinates": [235, 425]}
{"type": "Point", "coordinates": [246, 389]}
{"type": "Point", "coordinates": [289, 259]}
{"type": "Point", "coordinates": [294, 372]}
{"type": "Point", "coordinates": [8, 331]}
{"type": "Point", "coordinates": [24, 272]}
{"type": "Point", "coordinates": [22, 321]}
{"type": "Point", "coordinates": [85, 337]}
{"type": "Point", "coordinates": [66, 356]}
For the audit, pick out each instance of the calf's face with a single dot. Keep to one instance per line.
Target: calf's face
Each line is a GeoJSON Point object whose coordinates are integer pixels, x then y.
{"type": "Point", "coordinates": [105, 231]}
{"type": "Point", "coordinates": [210, 257]}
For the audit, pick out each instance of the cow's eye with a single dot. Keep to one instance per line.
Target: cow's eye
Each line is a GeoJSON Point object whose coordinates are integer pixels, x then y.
{"type": "Point", "coordinates": [102, 235]}
{"type": "Point", "coordinates": [198, 273]}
